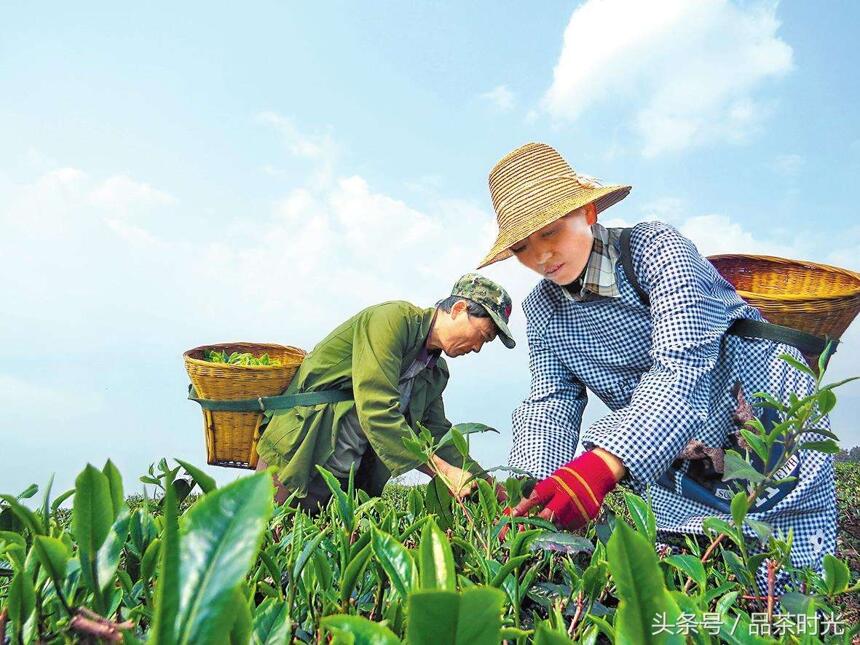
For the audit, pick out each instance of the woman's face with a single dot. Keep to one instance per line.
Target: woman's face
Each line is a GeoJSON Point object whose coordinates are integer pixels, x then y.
{"type": "Point", "coordinates": [560, 250]}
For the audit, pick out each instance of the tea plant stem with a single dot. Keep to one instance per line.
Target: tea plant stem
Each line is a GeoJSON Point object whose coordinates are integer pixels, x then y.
{"type": "Point", "coordinates": [517, 605]}
{"type": "Point", "coordinates": [771, 579]}
{"type": "Point", "coordinates": [377, 606]}
{"type": "Point", "coordinates": [3, 615]}
{"type": "Point", "coordinates": [89, 622]}
{"type": "Point", "coordinates": [291, 599]}
{"type": "Point", "coordinates": [574, 622]}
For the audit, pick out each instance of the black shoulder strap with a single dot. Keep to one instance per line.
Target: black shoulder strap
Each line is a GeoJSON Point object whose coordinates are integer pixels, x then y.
{"type": "Point", "coordinates": [627, 264]}
{"type": "Point", "coordinates": [807, 343]}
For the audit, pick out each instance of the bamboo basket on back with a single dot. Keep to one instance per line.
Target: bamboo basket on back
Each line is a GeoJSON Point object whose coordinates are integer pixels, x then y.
{"type": "Point", "coordinates": [816, 298]}
{"type": "Point", "coordinates": [231, 437]}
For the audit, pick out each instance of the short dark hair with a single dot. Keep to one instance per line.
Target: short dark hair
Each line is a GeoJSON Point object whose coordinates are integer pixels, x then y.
{"type": "Point", "coordinates": [472, 308]}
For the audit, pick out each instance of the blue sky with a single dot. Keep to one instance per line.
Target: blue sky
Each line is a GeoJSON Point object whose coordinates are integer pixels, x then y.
{"type": "Point", "coordinates": [172, 175]}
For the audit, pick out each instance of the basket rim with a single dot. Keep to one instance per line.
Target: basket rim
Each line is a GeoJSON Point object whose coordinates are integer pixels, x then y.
{"type": "Point", "coordinates": [186, 355]}
{"type": "Point", "coordinates": [847, 293]}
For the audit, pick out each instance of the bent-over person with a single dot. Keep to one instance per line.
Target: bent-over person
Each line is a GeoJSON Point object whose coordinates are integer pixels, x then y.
{"type": "Point", "coordinates": [389, 356]}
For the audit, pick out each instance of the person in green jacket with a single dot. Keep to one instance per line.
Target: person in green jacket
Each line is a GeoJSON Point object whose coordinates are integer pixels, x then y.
{"type": "Point", "coordinates": [389, 357]}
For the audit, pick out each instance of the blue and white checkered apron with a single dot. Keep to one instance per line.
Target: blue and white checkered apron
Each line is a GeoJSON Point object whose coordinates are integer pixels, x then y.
{"type": "Point", "coordinates": [666, 373]}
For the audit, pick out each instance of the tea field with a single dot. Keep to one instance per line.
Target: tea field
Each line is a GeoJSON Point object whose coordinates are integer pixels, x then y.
{"type": "Point", "coordinates": [193, 563]}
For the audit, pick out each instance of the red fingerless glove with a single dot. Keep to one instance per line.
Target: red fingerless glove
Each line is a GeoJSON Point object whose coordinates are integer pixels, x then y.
{"type": "Point", "coordinates": [575, 491]}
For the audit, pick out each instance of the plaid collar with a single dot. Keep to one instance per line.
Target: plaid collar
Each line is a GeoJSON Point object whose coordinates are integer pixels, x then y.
{"type": "Point", "coordinates": [598, 278]}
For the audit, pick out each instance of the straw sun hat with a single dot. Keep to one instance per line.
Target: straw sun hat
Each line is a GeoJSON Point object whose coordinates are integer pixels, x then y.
{"type": "Point", "coordinates": [534, 186]}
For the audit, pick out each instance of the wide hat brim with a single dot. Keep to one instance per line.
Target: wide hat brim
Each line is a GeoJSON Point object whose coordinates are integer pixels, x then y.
{"type": "Point", "coordinates": [519, 218]}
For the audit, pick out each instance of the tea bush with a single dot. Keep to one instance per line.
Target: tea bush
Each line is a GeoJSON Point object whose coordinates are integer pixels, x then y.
{"type": "Point", "coordinates": [189, 562]}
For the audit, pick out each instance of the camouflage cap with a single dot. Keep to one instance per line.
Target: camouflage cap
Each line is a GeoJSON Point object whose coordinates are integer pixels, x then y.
{"type": "Point", "coordinates": [490, 296]}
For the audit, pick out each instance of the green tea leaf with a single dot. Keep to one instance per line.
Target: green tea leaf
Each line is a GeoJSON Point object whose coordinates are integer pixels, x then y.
{"type": "Point", "coordinates": [115, 485]}
{"type": "Point", "coordinates": [594, 580]}
{"type": "Point", "coordinates": [435, 559]}
{"type": "Point", "coordinates": [690, 566]}
{"type": "Point", "coordinates": [726, 602]}
{"type": "Point", "coordinates": [561, 543]}
{"type": "Point", "coordinates": [472, 617]}
{"type": "Point", "coordinates": [92, 517]}
{"type": "Point", "coordinates": [150, 559]}
{"type": "Point", "coordinates": [480, 616]}
{"type": "Point", "coordinates": [345, 506]}
{"type": "Point", "coordinates": [523, 540]}
{"type": "Point", "coordinates": [736, 467]}
{"type": "Point", "coordinates": [756, 443]}
{"type": "Point", "coordinates": [163, 630]}
{"type": "Point", "coordinates": [546, 636]}
{"type": "Point", "coordinates": [240, 632]}
{"type": "Point", "coordinates": [763, 530]}
{"type": "Point", "coordinates": [361, 630]}
{"type": "Point", "coordinates": [28, 492]}
{"type": "Point", "coordinates": [46, 503]}
{"type": "Point", "coordinates": [797, 603]}
{"type": "Point", "coordinates": [640, 588]}
{"type": "Point", "coordinates": [825, 356]}
{"type": "Point", "coordinates": [488, 501]}
{"type": "Point", "coordinates": [221, 535]}
{"type": "Point", "coordinates": [506, 569]}
{"type": "Point", "coordinates": [207, 484]}
{"type": "Point", "coordinates": [107, 559]}
{"type": "Point", "coordinates": [433, 617]}
{"type": "Point", "coordinates": [396, 561]}
{"type": "Point", "coordinates": [21, 599]}
{"type": "Point", "coordinates": [836, 575]}
{"type": "Point", "coordinates": [415, 448]}
{"type": "Point", "coordinates": [740, 506]}
{"type": "Point", "coordinates": [737, 566]}
{"type": "Point", "coordinates": [25, 516]}
{"type": "Point", "coordinates": [459, 442]}
{"type": "Point", "coordinates": [54, 556]}
{"type": "Point", "coordinates": [353, 572]}
{"type": "Point", "coordinates": [719, 525]}
{"type": "Point", "coordinates": [271, 623]}
{"type": "Point", "coordinates": [829, 447]}
{"type": "Point", "coordinates": [826, 401]}
{"type": "Point", "coordinates": [472, 428]}
{"type": "Point", "coordinates": [437, 501]}
{"type": "Point", "coordinates": [306, 553]}
{"type": "Point", "coordinates": [643, 516]}
{"type": "Point", "coordinates": [798, 365]}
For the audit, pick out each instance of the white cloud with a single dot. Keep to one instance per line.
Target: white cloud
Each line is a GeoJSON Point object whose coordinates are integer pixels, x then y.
{"type": "Point", "coordinates": [691, 68]}
{"type": "Point", "coordinates": [500, 97]}
{"type": "Point", "coordinates": [788, 165]}
{"type": "Point", "coordinates": [119, 193]}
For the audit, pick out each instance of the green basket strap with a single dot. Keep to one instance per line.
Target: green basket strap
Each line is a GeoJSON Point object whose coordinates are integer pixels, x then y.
{"type": "Point", "coordinates": [264, 403]}
{"type": "Point", "coordinates": [806, 343]}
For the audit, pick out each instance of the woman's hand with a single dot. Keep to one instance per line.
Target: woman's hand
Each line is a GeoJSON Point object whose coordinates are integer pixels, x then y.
{"type": "Point", "coordinates": [571, 497]}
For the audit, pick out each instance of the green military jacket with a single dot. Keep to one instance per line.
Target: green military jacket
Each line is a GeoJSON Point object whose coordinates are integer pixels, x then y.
{"type": "Point", "coordinates": [366, 354]}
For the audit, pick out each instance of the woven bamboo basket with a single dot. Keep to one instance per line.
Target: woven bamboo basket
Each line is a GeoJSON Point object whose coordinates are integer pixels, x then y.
{"type": "Point", "coordinates": [231, 437]}
{"type": "Point", "coordinates": [816, 298]}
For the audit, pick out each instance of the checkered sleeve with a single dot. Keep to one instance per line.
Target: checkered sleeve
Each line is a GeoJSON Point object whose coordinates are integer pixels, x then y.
{"type": "Point", "coordinates": [546, 425]}
{"type": "Point", "coordinates": [670, 404]}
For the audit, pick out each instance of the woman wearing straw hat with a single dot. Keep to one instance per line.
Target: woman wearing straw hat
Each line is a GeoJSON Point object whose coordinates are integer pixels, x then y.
{"type": "Point", "coordinates": [656, 347]}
